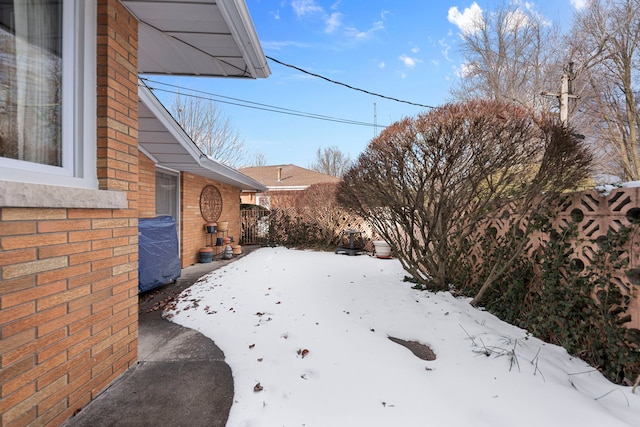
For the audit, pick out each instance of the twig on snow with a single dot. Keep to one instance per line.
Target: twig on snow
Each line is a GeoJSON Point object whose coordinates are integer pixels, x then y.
{"type": "Point", "coordinates": [611, 391]}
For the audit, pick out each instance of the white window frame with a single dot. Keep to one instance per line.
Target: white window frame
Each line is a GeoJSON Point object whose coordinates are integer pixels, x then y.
{"type": "Point", "coordinates": [79, 143]}
{"type": "Point", "coordinates": [176, 175]}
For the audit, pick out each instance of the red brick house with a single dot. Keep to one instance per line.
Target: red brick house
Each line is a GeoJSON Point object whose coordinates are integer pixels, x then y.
{"type": "Point", "coordinates": [283, 183]}
{"type": "Point", "coordinates": [84, 151]}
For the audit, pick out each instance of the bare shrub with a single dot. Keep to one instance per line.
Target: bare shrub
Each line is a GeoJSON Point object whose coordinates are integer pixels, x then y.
{"type": "Point", "coordinates": [319, 206]}
{"type": "Point", "coordinates": [426, 183]}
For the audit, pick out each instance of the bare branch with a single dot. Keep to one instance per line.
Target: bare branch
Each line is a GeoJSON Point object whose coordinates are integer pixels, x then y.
{"type": "Point", "coordinates": [211, 131]}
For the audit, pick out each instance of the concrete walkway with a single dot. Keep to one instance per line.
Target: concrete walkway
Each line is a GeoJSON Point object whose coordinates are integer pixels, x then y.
{"type": "Point", "coordinates": [181, 378]}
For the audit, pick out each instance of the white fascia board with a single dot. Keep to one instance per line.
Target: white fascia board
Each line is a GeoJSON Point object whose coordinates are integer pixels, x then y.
{"type": "Point", "coordinates": [241, 26]}
{"type": "Point", "coordinates": [231, 174]}
{"type": "Point", "coordinates": [288, 188]}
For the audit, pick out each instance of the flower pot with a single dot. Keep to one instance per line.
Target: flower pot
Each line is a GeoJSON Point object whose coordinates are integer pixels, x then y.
{"type": "Point", "coordinates": [236, 249]}
{"type": "Point", "coordinates": [205, 255]}
{"type": "Point", "coordinates": [223, 225]}
{"type": "Point", "coordinates": [211, 227]}
{"type": "Point", "coordinates": [382, 249]}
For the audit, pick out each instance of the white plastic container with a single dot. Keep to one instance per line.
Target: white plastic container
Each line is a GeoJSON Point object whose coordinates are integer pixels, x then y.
{"type": "Point", "coordinates": [382, 249]}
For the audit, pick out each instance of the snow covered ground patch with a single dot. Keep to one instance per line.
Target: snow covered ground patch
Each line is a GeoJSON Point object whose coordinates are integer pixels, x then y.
{"type": "Point", "coordinates": [307, 337]}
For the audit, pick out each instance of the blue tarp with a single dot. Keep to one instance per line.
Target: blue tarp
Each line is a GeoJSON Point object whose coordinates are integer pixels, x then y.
{"type": "Point", "coordinates": [159, 262]}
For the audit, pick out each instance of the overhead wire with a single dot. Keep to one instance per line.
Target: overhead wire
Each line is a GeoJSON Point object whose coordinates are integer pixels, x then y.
{"type": "Point", "coordinates": [195, 93]}
{"type": "Point", "coordinates": [348, 86]}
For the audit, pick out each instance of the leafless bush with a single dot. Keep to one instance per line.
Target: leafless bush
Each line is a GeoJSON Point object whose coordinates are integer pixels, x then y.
{"type": "Point", "coordinates": [426, 183]}
{"type": "Point", "coordinates": [319, 206]}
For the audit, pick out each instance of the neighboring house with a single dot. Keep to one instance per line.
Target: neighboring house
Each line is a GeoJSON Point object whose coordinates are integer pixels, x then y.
{"type": "Point", "coordinates": [283, 182]}
{"type": "Point", "coordinates": [85, 151]}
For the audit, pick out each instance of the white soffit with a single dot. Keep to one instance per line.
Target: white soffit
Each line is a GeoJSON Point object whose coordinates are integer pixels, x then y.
{"type": "Point", "coordinates": [214, 38]}
{"type": "Point", "coordinates": [162, 139]}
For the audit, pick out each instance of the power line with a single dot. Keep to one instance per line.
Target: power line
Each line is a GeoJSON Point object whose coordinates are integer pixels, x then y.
{"type": "Point", "coordinates": [178, 90]}
{"type": "Point", "coordinates": [348, 86]}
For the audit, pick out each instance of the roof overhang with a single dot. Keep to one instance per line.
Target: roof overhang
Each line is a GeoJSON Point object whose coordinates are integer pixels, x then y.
{"type": "Point", "coordinates": [162, 139]}
{"type": "Point", "coordinates": [288, 188]}
{"type": "Point", "coordinates": [214, 38]}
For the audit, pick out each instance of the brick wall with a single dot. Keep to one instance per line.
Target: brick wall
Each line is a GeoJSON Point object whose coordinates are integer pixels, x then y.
{"type": "Point", "coordinates": [146, 187]}
{"type": "Point", "coordinates": [68, 290]}
{"type": "Point", "coordinates": [192, 227]}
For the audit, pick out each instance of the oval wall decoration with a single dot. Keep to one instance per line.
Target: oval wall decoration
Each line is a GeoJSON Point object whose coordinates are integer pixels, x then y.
{"type": "Point", "coordinates": [210, 203]}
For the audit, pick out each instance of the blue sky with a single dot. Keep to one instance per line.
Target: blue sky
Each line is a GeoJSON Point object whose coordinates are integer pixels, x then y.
{"type": "Point", "coordinates": [407, 50]}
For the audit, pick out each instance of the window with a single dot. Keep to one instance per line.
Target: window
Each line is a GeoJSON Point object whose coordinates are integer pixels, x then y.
{"type": "Point", "coordinates": [47, 92]}
{"type": "Point", "coordinates": [167, 194]}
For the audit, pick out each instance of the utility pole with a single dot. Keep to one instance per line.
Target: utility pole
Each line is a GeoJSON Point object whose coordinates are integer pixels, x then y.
{"type": "Point", "coordinates": [375, 120]}
{"type": "Point", "coordinates": [565, 94]}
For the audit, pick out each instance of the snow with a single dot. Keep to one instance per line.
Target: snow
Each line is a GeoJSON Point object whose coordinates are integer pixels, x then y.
{"type": "Point", "coordinates": [605, 189]}
{"type": "Point", "coordinates": [272, 307]}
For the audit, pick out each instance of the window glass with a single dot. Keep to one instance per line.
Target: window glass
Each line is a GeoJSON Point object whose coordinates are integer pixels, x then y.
{"type": "Point", "coordinates": [167, 195]}
{"type": "Point", "coordinates": [31, 81]}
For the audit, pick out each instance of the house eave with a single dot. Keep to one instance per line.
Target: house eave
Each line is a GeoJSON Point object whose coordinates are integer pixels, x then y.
{"type": "Point", "coordinates": [168, 145]}
{"type": "Point", "coordinates": [288, 188]}
{"type": "Point", "coordinates": [212, 38]}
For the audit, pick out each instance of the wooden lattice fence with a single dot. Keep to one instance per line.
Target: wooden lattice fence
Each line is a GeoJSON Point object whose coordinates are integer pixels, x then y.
{"type": "Point", "coordinates": [318, 226]}
{"type": "Point", "coordinates": [595, 215]}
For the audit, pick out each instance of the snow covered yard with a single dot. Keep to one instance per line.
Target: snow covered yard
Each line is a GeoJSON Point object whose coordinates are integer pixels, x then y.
{"type": "Point", "coordinates": [307, 337]}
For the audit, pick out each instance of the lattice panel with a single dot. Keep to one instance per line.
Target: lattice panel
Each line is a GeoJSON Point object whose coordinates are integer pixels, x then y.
{"type": "Point", "coordinates": [594, 215]}
{"type": "Point", "coordinates": [338, 220]}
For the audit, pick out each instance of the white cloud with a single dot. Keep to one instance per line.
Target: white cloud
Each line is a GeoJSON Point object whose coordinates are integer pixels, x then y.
{"type": "Point", "coordinates": [277, 45]}
{"type": "Point", "coordinates": [445, 48]}
{"type": "Point", "coordinates": [464, 70]}
{"type": "Point", "coordinates": [409, 61]}
{"type": "Point", "coordinates": [415, 49]}
{"type": "Point", "coordinates": [580, 4]}
{"type": "Point", "coordinates": [469, 21]}
{"type": "Point", "coordinates": [306, 7]}
{"type": "Point", "coordinates": [311, 9]}
{"type": "Point", "coordinates": [363, 35]}
{"type": "Point", "coordinates": [333, 22]}
{"type": "Point", "coordinates": [382, 64]}
{"type": "Point", "coordinates": [516, 20]}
